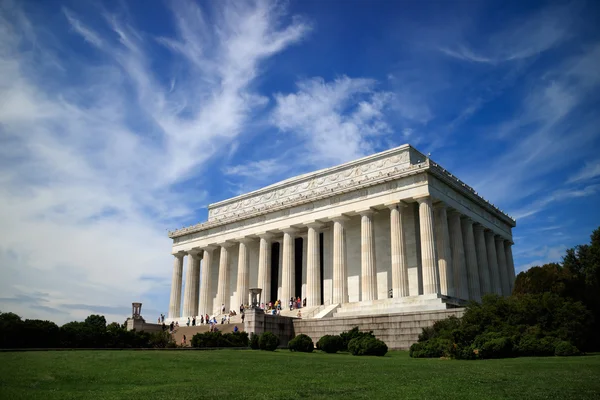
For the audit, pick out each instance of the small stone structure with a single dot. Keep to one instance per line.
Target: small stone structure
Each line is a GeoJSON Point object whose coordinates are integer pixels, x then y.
{"type": "Point", "coordinates": [137, 322]}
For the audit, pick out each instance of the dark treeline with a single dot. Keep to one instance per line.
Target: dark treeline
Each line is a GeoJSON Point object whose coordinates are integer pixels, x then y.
{"type": "Point", "coordinates": [554, 310]}
{"type": "Point", "coordinates": [16, 333]}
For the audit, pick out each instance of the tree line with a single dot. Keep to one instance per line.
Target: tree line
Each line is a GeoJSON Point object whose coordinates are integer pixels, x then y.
{"type": "Point", "coordinates": [16, 333]}
{"type": "Point", "coordinates": [554, 310]}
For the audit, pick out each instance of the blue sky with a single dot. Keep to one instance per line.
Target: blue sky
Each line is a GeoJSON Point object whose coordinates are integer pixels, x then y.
{"type": "Point", "coordinates": [122, 120]}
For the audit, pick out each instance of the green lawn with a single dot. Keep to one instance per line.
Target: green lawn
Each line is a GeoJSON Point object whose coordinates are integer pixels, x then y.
{"type": "Point", "coordinates": [228, 374]}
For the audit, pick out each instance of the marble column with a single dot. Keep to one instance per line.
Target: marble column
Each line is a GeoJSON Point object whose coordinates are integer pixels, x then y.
{"type": "Point", "coordinates": [205, 305]}
{"type": "Point", "coordinates": [243, 278]}
{"type": "Point", "coordinates": [223, 285]}
{"type": "Point", "coordinates": [195, 255]}
{"type": "Point", "coordinates": [398, 251]}
{"type": "Point", "coordinates": [175, 301]}
{"type": "Point", "coordinates": [442, 237]}
{"type": "Point", "coordinates": [313, 270]}
{"type": "Point", "coordinates": [459, 266]}
{"type": "Point", "coordinates": [303, 276]}
{"type": "Point", "coordinates": [471, 259]}
{"type": "Point", "coordinates": [340, 273]}
{"type": "Point", "coordinates": [367, 256]}
{"type": "Point", "coordinates": [485, 283]}
{"type": "Point", "coordinates": [280, 269]}
{"type": "Point", "coordinates": [510, 264]}
{"type": "Point", "coordinates": [490, 246]}
{"type": "Point", "coordinates": [431, 279]}
{"type": "Point", "coordinates": [500, 253]}
{"type": "Point", "coordinates": [288, 278]}
{"type": "Point", "coordinates": [187, 294]}
{"type": "Point", "coordinates": [264, 267]}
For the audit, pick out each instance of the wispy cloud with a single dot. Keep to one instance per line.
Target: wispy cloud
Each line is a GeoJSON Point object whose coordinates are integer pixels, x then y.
{"type": "Point", "coordinates": [520, 39]}
{"type": "Point", "coordinates": [556, 196]}
{"type": "Point", "coordinates": [336, 121]}
{"type": "Point", "coordinates": [89, 162]}
{"type": "Point", "coordinates": [589, 171]}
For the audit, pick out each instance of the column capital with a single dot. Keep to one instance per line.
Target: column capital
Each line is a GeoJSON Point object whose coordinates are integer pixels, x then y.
{"type": "Point", "coordinates": [290, 230]}
{"type": "Point", "coordinates": [226, 244]}
{"type": "Point", "coordinates": [478, 227]}
{"type": "Point", "coordinates": [266, 235]}
{"type": "Point", "coordinates": [394, 204]}
{"type": "Point", "coordinates": [339, 218]}
{"type": "Point", "coordinates": [439, 205]}
{"type": "Point", "coordinates": [195, 252]}
{"type": "Point", "coordinates": [179, 254]}
{"type": "Point", "coordinates": [467, 219]}
{"type": "Point", "coordinates": [245, 240]}
{"type": "Point", "coordinates": [209, 247]}
{"type": "Point", "coordinates": [423, 198]}
{"type": "Point", "coordinates": [366, 211]}
{"type": "Point", "coordinates": [314, 224]}
{"type": "Point", "coordinates": [453, 211]}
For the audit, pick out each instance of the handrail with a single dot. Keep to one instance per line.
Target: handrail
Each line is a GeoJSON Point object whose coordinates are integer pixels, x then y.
{"type": "Point", "coordinates": [318, 309]}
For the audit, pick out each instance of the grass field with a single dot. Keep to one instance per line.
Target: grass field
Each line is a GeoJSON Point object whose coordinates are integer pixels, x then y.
{"type": "Point", "coordinates": [228, 374]}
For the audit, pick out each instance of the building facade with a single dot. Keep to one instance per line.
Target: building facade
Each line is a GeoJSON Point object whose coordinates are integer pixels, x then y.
{"type": "Point", "coordinates": [391, 225]}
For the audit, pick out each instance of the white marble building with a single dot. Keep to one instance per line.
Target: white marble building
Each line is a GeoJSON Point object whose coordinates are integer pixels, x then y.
{"type": "Point", "coordinates": [394, 224]}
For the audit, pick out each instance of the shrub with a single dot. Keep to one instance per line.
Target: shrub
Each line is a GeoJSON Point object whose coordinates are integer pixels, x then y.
{"type": "Point", "coordinates": [496, 348]}
{"type": "Point", "coordinates": [254, 342]}
{"type": "Point", "coordinates": [302, 343]}
{"type": "Point", "coordinates": [566, 349]}
{"type": "Point", "coordinates": [217, 339]}
{"type": "Point", "coordinates": [236, 339]}
{"type": "Point", "coordinates": [433, 348]}
{"type": "Point", "coordinates": [268, 341]}
{"type": "Point", "coordinates": [367, 346]}
{"type": "Point", "coordinates": [530, 345]}
{"type": "Point", "coordinates": [330, 343]}
{"type": "Point", "coordinates": [353, 333]}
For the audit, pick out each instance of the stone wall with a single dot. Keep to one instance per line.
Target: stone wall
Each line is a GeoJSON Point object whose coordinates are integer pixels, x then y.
{"type": "Point", "coordinates": [398, 331]}
{"type": "Point", "coordinates": [257, 322]}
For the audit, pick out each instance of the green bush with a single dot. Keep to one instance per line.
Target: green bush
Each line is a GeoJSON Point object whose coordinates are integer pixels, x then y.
{"type": "Point", "coordinates": [353, 333]}
{"type": "Point", "coordinates": [217, 339]}
{"type": "Point", "coordinates": [496, 348]}
{"type": "Point", "coordinates": [236, 339]}
{"type": "Point", "coordinates": [530, 346]}
{"type": "Point", "coordinates": [302, 343]}
{"type": "Point", "coordinates": [498, 327]}
{"type": "Point", "coordinates": [330, 344]}
{"type": "Point", "coordinates": [254, 341]}
{"type": "Point", "coordinates": [367, 346]}
{"type": "Point", "coordinates": [566, 349]}
{"type": "Point", "coordinates": [434, 348]}
{"type": "Point", "coordinates": [268, 341]}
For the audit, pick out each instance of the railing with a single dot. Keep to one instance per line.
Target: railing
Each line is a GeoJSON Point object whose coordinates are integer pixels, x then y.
{"type": "Point", "coordinates": [317, 310]}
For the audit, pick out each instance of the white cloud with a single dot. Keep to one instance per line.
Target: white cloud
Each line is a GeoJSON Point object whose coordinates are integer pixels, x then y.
{"type": "Point", "coordinates": [87, 165]}
{"type": "Point", "coordinates": [519, 39]}
{"type": "Point", "coordinates": [336, 121]}
{"type": "Point", "coordinates": [590, 170]}
{"type": "Point", "coordinates": [556, 196]}
{"type": "Point", "coordinates": [255, 169]}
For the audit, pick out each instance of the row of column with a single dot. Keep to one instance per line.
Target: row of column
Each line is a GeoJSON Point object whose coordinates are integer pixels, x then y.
{"type": "Point", "coordinates": [458, 259]}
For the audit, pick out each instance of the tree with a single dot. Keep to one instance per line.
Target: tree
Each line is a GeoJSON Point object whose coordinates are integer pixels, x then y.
{"type": "Point", "coordinates": [578, 278]}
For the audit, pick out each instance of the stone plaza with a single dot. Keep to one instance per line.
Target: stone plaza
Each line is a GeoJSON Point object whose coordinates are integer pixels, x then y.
{"type": "Point", "coordinates": [390, 233]}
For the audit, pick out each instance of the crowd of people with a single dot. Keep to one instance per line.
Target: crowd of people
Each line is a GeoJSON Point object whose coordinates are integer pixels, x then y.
{"type": "Point", "coordinates": [273, 308]}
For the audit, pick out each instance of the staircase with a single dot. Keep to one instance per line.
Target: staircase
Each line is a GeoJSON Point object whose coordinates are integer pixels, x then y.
{"type": "Point", "coordinates": [432, 302]}
{"type": "Point", "coordinates": [190, 331]}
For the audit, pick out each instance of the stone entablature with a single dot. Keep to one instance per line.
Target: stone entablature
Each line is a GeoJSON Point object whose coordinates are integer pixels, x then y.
{"type": "Point", "coordinates": [328, 183]}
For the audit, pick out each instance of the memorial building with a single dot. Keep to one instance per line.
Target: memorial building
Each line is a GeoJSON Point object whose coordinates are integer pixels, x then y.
{"type": "Point", "coordinates": [389, 233]}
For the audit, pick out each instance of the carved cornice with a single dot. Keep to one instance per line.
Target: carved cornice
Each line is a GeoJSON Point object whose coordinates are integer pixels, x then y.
{"type": "Point", "coordinates": [353, 176]}
{"type": "Point", "coordinates": [356, 175]}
